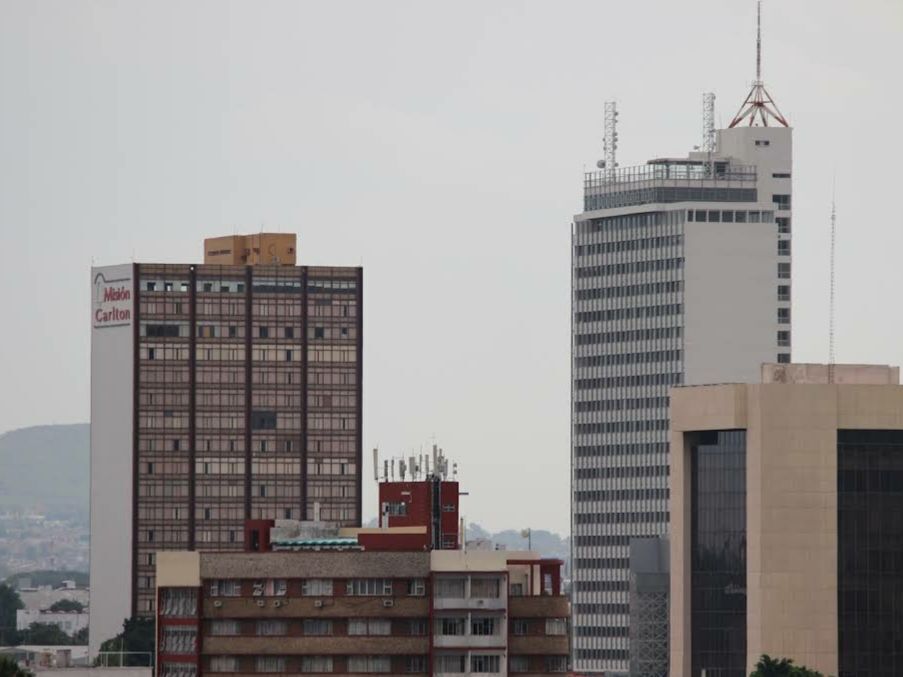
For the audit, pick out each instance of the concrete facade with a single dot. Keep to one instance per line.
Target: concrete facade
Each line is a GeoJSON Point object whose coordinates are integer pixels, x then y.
{"type": "Point", "coordinates": [791, 500]}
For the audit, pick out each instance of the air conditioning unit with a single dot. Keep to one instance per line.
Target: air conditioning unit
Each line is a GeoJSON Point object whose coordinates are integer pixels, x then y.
{"type": "Point", "coordinates": [260, 602]}
{"type": "Point", "coordinates": [277, 603]}
{"type": "Point", "coordinates": [318, 603]}
{"type": "Point", "coordinates": [388, 603]}
{"type": "Point", "coordinates": [217, 603]}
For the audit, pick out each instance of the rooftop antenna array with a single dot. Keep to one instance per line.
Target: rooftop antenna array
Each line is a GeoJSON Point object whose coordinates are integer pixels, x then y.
{"type": "Point", "coordinates": [610, 143]}
{"type": "Point", "coordinates": [708, 122]}
{"type": "Point", "coordinates": [414, 468]}
{"type": "Point", "coordinates": [831, 295]}
{"type": "Point", "coordinates": [759, 106]}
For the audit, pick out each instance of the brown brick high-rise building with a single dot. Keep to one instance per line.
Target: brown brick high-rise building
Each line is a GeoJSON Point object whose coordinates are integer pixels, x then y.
{"type": "Point", "coordinates": [219, 393]}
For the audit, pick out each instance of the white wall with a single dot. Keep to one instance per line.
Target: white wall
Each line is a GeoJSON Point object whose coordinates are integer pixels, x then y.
{"type": "Point", "coordinates": [730, 300]}
{"type": "Point", "coordinates": [111, 453]}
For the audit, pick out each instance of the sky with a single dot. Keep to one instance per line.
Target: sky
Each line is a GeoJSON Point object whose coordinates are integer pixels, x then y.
{"type": "Point", "coordinates": [441, 146]}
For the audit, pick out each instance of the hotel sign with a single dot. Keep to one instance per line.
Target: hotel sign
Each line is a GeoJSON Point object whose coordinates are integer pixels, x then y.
{"type": "Point", "coordinates": [112, 301]}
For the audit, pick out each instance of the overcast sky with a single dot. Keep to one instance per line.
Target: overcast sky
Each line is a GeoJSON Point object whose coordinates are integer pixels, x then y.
{"type": "Point", "coordinates": [441, 145]}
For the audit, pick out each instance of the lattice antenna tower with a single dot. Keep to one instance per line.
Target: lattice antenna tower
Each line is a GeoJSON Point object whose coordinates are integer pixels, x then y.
{"type": "Point", "coordinates": [708, 122]}
{"type": "Point", "coordinates": [610, 146]}
{"type": "Point", "coordinates": [831, 300]}
{"type": "Point", "coordinates": [759, 108]}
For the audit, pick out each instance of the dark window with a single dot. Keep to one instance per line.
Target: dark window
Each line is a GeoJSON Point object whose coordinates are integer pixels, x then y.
{"type": "Point", "coordinates": [718, 552]}
{"type": "Point", "coordinates": [740, 217]}
{"type": "Point", "coordinates": [288, 355]}
{"type": "Point", "coordinates": [319, 332]}
{"type": "Point", "coordinates": [714, 216]}
{"type": "Point", "coordinates": [689, 215]}
{"type": "Point", "coordinates": [784, 358]}
{"type": "Point", "coordinates": [263, 332]}
{"type": "Point", "coordinates": [163, 330]}
{"type": "Point", "coordinates": [289, 332]}
{"type": "Point", "coordinates": [783, 247]}
{"type": "Point", "coordinates": [727, 216]}
{"type": "Point", "coordinates": [783, 338]}
{"type": "Point", "coordinates": [700, 215]}
{"type": "Point", "coordinates": [763, 142]}
{"type": "Point", "coordinates": [208, 286]}
{"type": "Point", "coordinates": [783, 224]}
{"type": "Point", "coordinates": [783, 315]}
{"type": "Point", "coordinates": [870, 552]}
{"type": "Point", "coordinates": [167, 286]}
{"type": "Point", "coordinates": [781, 201]}
{"type": "Point", "coordinates": [233, 331]}
{"type": "Point", "coordinates": [151, 286]}
{"type": "Point", "coordinates": [263, 420]}
{"type": "Point", "coordinates": [151, 353]}
{"type": "Point", "coordinates": [781, 175]}
{"type": "Point", "coordinates": [176, 445]}
{"type": "Point", "coordinates": [784, 271]}
{"type": "Point", "coordinates": [783, 292]}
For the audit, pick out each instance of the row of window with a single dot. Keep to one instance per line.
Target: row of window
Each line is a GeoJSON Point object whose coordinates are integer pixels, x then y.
{"type": "Point", "coordinates": [625, 291]}
{"type": "Point", "coordinates": [621, 471]}
{"type": "Point", "coordinates": [729, 216]}
{"type": "Point", "coordinates": [621, 426]}
{"type": "Point", "coordinates": [628, 313]}
{"type": "Point", "coordinates": [620, 495]}
{"type": "Point", "coordinates": [602, 563]}
{"type": "Point", "coordinates": [261, 285]}
{"type": "Point", "coordinates": [602, 631]}
{"type": "Point", "coordinates": [234, 352]}
{"type": "Point", "coordinates": [600, 539]}
{"type": "Point", "coordinates": [612, 608]}
{"type": "Point", "coordinates": [319, 627]}
{"type": "Point", "coordinates": [651, 357]}
{"type": "Point", "coordinates": [629, 222]}
{"type": "Point", "coordinates": [594, 451]}
{"type": "Point", "coordinates": [601, 586]}
{"type": "Point", "coordinates": [629, 267]}
{"type": "Point", "coordinates": [621, 405]}
{"type": "Point", "coordinates": [647, 517]}
{"type": "Point", "coordinates": [359, 663]}
{"type": "Point", "coordinates": [314, 587]}
{"type": "Point", "coordinates": [667, 194]}
{"type": "Point", "coordinates": [628, 335]}
{"type": "Point", "coordinates": [602, 654]}
{"type": "Point", "coordinates": [625, 381]}
{"type": "Point", "coordinates": [629, 245]}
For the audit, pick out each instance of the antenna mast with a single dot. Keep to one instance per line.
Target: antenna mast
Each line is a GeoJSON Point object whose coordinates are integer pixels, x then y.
{"type": "Point", "coordinates": [759, 106]}
{"type": "Point", "coordinates": [708, 122]}
{"type": "Point", "coordinates": [611, 137]}
{"type": "Point", "coordinates": [831, 297]}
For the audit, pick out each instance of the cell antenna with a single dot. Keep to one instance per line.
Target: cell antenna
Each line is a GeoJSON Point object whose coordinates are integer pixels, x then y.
{"type": "Point", "coordinates": [759, 108]}
{"type": "Point", "coordinates": [708, 122]}
{"type": "Point", "coordinates": [610, 144]}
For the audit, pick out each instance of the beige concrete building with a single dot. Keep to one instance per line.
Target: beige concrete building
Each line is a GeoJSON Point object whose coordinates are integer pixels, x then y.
{"type": "Point", "coordinates": [787, 522]}
{"type": "Point", "coordinates": [251, 250]}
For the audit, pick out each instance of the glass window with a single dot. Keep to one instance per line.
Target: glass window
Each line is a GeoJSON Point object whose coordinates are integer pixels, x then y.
{"type": "Point", "coordinates": [450, 588]}
{"type": "Point", "coordinates": [481, 587]}
{"type": "Point", "coordinates": [178, 602]}
{"type": "Point", "coordinates": [454, 662]}
{"type": "Point", "coordinates": [417, 587]}
{"type": "Point", "coordinates": [727, 216]}
{"type": "Point", "coordinates": [714, 216]}
{"type": "Point", "coordinates": [485, 663]}
{"type": "Point", "coordinates": [316, 664]}
{"type": "Point", "coordinates": [223, 664]}
{"type": "Point", "coordinates": [369, 586]}
{"type": "Point", "coordinates": [317, 587]}
{"type": "Point", "coordinates": [740, 216]}
{"type": "Point", "coordinates": [700, 215]}
{"type": "Point", "coordinates": [271, 628]}
{"type": "Point", "coordinates": [556, 626]}
{"type": "Point", "coordinates": [225, 588]}
{"type": "Point", "coordinates": [369, 664]}
{"type": "Point", "coordinates": [415, 664]}
{"type": "Point", "coordinates": [556, 663]}
{"type": "Point", "coordinates": [520, 626]}
{"type": "Point", "coordinates": [483, 625]}
{"type": "Point", "coordinates": [783, 224]}
{"type": "Point", "coordinates": [451, 626]}
{"type": "Point", "coordinates": [518, 663]}
{"type": "Point", "coordinates": [225, 628]}
{"type": "Point", "coordinates": [784, 271]}
{"type": "Point", "coordinates": [317, 626]}
{"type": "Point", "coordinates": [269, 663]}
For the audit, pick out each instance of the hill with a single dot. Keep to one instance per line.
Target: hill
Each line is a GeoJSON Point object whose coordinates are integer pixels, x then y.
{"type": "Point", "coordinates": [46, 469]}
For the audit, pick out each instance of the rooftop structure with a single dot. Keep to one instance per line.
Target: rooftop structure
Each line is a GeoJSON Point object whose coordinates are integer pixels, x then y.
{"type": "Point", "coordinates": [251, 250]}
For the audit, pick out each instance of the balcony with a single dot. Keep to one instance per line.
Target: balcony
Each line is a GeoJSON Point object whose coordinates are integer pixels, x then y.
{"type": "Point", "coordinates": [546, 645]}
{"type": "Point", "coordinates": [539, 606]}
{"type": "Point", "coordinates": [316, 607]}
{"type": "Point", "coordinates": [316, 645]}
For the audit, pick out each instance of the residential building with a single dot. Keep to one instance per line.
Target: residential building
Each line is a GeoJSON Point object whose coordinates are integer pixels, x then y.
{"type": "Point", "coordinates": [681, 274]}
{"type": "Point", "coordinates": [219, 393]}
{"type": "Point", "coordinates": [308, 597]}
{"type": "Point", "coordinates": [787, 522]}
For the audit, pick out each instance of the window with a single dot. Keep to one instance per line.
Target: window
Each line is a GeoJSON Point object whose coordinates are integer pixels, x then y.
{"type": "Point", "coordinates": [485, 663]}
{"type": "Point", "coordinates": [417, 627]}
{"type": "Point", "coordinates": [783, 315]}
{"type": "Point", "coordinates": [784, 271]}
{"type": "Point", "coordinates": [740, 217]}
{"type": "Point", "coordinates": [272, 587]}
{"type": "Point", "coordinates": [700, 215]}
{"type": "Point", "coordinates": [781, 201]}
{"type": "Point", "coordinates": [417, 587]}
{"type": "Point", "coordinates": [225, 628]}
{"type": "Point", "coordinates": [450, 588]}
{"type": "Point", "coordinates": [482, 626]}
{"type": "Point", "coordinates": [783, 247]}
{"type": "Point", "coordinates": [781, 175]}
{"type": "Point", "coordinates": [176, 445]}
{"type": "Point", "coordinates": [319, 332]}
{"type": "Point", "coordinates": [455, 662]}
{"type": "Point", "coordinates": [415, 664]}
{"type": "Point", "coordinates": [516, 590]}
{"type": "Point", "coordinates": [316, 664]}
{"type": "Point", "coordinates": [316, 587]}
{"type": "Point", "coordinates": [689, 215]}
{"type": "Point", "coordinates": [369, 626]}
{"type": "Point", "coordinates": [269, 663]}
{"type": "Point", "coordinates": [208, 286]}
{"type": "Point", "coordinates": [763, 142]}
{"type": "Point", "coordinates": [783, 338]}
{"type": "Point", "coordinates": [233, 331]}
{"type": "Point", "coordinates": [151, 353]}
{"type": "Point", "coordinates": [783, 358]}
{"type": "Point", "coordinates": [263, 332]}
{"type": "Point", "coordinates": [289, 332]}
{"type": "Point", "coordinates": [714, 216]}
{"type": "Point", "coordinates": [369, 586]}
{"type": "Point", "coordinates": [225, 588]}
{"type": "Point", "coordinates": [451, 626]}
{"type": "Point", "coordinates": [223, 664]}
{"type": "Point", "coordinates": [556, 626]}
{"type": "Point", "coordinates": [783, 292]}
{"type": "Point", "coordinates": [263, 420]}
{"type": "Point", "coordinates": [369, 664]}
{"type": "Point", "coordinates": [755, 217]}
{"type": "Point", "coordinates": [271, 628]}
{"type": "Point", "coordinates": [151, 286]}
{"type": "Point", "coordinates": [518, 664]}
{"type": "Point", "coordinates": [178, 602]}
{"type": "Point", "coordinates": [520, 626]}
{"type": "Point", "coordinates": [484, 588]}
{"type": "Point", "coordinates": [556, 663]}
{"type": "Point", "coordinates": [783, 224]}
{"type": "Point", "coordinates": [179, 639]}
{"type": "Point", "coordinates": [727, 216]}
{"type": "Point", "coordinates": [317, 626]}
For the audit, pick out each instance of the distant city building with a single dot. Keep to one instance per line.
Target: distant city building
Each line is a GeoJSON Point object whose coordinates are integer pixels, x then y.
{"type": "Point", "coordinates": [681, 274]}
{"type": "Point", "coordinates": [219, 393]}
{"type": "Point", "coordinates": [69, 622]}
{"type": "Point", "coordinates": [787, 522]}
{"type": "Point", "coordinates": [308, 597]}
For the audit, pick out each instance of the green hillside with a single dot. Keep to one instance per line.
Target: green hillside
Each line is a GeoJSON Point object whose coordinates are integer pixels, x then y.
{"type": "Point", "coordinates": [46, 469]}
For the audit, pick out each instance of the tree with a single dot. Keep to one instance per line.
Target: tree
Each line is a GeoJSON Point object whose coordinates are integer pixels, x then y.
{"type": "Point", "coordinates": [9, 668]}
{"type": "Point", "coordinates": [10, 602]}
{"type": "Point", "coordinates": [44, 633]}
{"type": "Point", "coordinates": [81, 637]}
{"type": "Point", "coordinates": [137, 636]}
{"type": "Point", "coordinates": [68, 605]}
{"type": "Point", "coordinates": [781, 667]}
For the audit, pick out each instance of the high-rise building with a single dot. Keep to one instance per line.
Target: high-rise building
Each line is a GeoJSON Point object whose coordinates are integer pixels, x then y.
{"type": "Point", "coordinates": [219, 393]}
{"type": "Point", "coordinates": [787, 522]}
{"type": "Point", "coordinates": [680, 275]}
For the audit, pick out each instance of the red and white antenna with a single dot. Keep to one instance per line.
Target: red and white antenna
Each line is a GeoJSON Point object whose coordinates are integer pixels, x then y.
{"type": "Point", "coordinates": [759, 107]}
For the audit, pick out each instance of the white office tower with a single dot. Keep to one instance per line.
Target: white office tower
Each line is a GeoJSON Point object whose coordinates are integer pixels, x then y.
{"type": "Point", "coordinates": [680, 276]}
